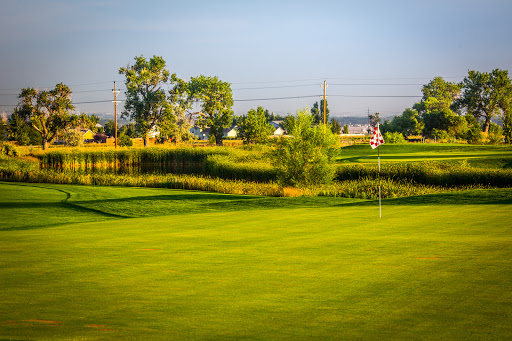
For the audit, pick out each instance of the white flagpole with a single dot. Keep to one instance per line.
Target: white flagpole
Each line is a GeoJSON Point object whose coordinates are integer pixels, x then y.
{"type": "Point", "coordinates": [380, 206]}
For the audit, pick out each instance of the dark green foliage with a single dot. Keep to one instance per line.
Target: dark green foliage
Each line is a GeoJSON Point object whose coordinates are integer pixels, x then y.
{"type": "Point", "coordinates": [486, 95]}
{"type": "Point", "coordinates": [335, 126]}
{"type": "Point", "coordinates": [19, 131]}
{"type": "Point", "coordinates": [318, 112]}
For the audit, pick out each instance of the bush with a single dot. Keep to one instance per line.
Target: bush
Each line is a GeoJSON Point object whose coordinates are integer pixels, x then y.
{"type": "Point", "coordinates": [305, 157]}
{"type": "Point", "coordinates": [74, 138]}
{"type": "Point", "coordinates": [474, 135]}
{"type": "Point", "coordinates": [125, 141]}
{"type": "Point", "coordinates": [8, 150]}
{"type": "Point", "coordinates": [495, 135]}
{"type": "Point", "coordinates": [394, 137]}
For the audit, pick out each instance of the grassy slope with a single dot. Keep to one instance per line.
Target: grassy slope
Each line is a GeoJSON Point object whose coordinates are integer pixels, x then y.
{"type": "Point", "coordinates": [433, 267]}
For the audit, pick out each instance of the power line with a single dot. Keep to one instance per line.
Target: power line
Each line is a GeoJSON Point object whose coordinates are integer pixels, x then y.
{"type": "Point", "coordinates": [272, 98]}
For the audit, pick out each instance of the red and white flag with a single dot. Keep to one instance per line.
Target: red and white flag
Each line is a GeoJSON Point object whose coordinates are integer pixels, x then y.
{"type": "Point", "coordinates": [376, 139]}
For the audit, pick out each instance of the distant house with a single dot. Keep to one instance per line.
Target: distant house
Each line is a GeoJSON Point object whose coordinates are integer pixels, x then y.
{"type": "Point", "coordinates": [87, 135]}
{"type": "Point", "coordinates": [279, 131]}
{"type": "Point", "coordinates": [204, 133]}
{"type": "Point", "coordinates": [358, 129]}
{"type": "Point", "coordinates": [201, 133]}
{"type": "Point", "coordinates": [230, 132]}
{"type": "Point", "coordinates": [276, 124]}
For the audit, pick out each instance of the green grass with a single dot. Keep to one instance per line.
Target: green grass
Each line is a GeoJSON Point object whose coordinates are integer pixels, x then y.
{"type": "Point", "coordinates": [194, 265]}
{"type": "Point", "coordinates": [477, 156]}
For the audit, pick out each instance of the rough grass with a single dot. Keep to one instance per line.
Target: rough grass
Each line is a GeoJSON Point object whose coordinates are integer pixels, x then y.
{"type": "Point", "coordinates": [434, 267]}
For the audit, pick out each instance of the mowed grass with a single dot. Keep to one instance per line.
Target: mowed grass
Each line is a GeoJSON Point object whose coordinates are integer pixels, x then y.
{"type": "Point", "coordinates": [476, 155]}
{"type": "Point", "coordinates": [149, 264]}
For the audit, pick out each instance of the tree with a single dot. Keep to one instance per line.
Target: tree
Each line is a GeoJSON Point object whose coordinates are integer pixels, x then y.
{"type": "Point", "coordinates": [110, 127]}
{"type": "Point", "coordinates": [216, 100]}
{"type": "Point", "coordinates": [445, 93]}
{"type": "Point", "coordinates": [318, 112]}
{"type": "Point", "coordinates": [254, 127]}
{"type": "Point", "coordinates": [407, 124]}
{"type": "Point", "coordinates": [147, 102]}
{"type": "Point", "coordinates": [345, 129]}
{"type": "Point", "coordinates": [18, 130]}
{"type": "Point", "coordinates": [486, 95]}
{"type": "Point", "coordinates": [305, 158]}
{"type": "Point", "coordinates": [374, 120]}
{"type": "Point", "coordinates": [335, 126]}
{"type": "Point", "coordinates": [47, 112]}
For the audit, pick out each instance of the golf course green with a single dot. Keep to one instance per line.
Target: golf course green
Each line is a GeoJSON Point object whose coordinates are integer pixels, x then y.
{"type": "Point", "coordinates": [100, 263]}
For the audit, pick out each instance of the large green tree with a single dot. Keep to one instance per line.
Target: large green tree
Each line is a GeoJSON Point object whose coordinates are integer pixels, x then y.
{"type": "Point", "coordinates": [408, 123]}
{"type": "Point", "coordinates": [47, 112]}
{"type": "Point", "coordinates": [486, 95]}
{"type": "Point", "coordinates": [444, 92]}
{"type": "Point", "coordinates": [254, 127]}
{"type": "Point", "coordinates": [216, 100]}
{"type": "Point", "coordinates": [148, 102]}
{"type": "Point", "coordinates": [306, 157]}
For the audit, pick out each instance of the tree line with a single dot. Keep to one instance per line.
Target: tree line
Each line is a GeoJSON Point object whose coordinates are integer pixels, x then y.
{"type": "Point", "coordinates": [460, 110]}
{"type": "Point", "coordinates": [157, 99]}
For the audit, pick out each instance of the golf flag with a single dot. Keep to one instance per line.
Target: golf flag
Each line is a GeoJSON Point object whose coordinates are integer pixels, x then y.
{"type": "Point", "coordinates": [376, 139]}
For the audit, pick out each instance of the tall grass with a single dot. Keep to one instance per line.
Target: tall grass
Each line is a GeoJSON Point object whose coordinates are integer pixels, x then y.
{"type": "Point", "coordinates": [430, 173]}
{"type": "Point", "coordinates": [238, 171]}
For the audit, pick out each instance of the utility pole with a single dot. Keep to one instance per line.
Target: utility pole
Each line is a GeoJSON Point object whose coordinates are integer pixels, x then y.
{"type": "Point", "coordinates": [325, 102]}
{"type": "Point", "coordinates": [115, 91]}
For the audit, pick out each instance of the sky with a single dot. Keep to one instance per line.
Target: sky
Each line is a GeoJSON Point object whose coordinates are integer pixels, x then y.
{"type": "Point", "coordinates": [375, 56]}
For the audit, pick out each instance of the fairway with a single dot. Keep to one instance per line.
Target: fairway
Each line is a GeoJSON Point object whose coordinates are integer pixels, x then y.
{"type": "Point", "coordinates": [480, 156]}
{"type": "Point", "coordinates": [84, 262]}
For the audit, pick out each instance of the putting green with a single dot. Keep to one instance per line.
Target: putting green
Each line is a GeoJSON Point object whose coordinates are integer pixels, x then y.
{"type": "Point", "coordinates": [433, 267]}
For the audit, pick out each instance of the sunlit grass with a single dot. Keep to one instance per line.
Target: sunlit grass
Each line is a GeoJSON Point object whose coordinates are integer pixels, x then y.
{"type": "Point", "coordinates": [434, 267]}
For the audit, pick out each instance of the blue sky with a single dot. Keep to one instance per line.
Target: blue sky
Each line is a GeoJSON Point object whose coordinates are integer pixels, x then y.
{"type": "Point", "coordinates": [265, 49]}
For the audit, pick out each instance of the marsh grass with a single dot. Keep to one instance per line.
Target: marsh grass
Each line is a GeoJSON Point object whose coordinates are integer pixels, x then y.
{"type": "Point", "coordinates": [247, 170]}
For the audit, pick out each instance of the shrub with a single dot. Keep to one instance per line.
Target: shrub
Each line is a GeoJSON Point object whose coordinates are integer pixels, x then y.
{"type": "Point", "coordinates": [8, 149]}
{"type": "Point", "coordinates": [495, 135]}
{"type": "Point", "coordinates": [125, 141]}
{"type": "Point", "coordinates": [305, 157]}
{"type": "Point", "coordinates": [394, 137]}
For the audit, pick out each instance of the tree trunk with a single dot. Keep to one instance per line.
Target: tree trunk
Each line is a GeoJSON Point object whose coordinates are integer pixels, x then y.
{"type": "Point", "coordinates": [146, 140]}
{"type": "Point", "coordinates": [218, 140]}
{"type": "Point", "coordinates": [487, 124]}
{"type": "Point", "coordinates": [45, 143]}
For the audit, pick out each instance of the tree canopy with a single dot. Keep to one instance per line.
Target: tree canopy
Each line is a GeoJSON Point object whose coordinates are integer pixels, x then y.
{"type": "Point", "coordinates": [318, 112]}
{"type": "Point", "coordinates": [216, 100]}
{"type": "Point", "coordinates": [147, 101]}
{"type": "Point", "coordinates": [47, 112]}
{"type": "Point", "coordinates": [486, 95]}
{"type": "Point", "coordinates": [254, 127]}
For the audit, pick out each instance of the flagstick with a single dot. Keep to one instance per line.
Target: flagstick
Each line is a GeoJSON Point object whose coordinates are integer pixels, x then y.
{"type": "Point", "coordinates": [380, 206]}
